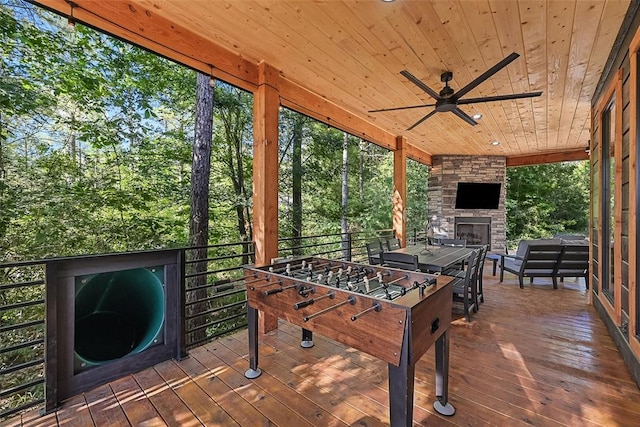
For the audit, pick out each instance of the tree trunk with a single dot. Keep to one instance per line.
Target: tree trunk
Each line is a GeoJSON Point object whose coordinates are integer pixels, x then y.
{"type": "Point", "coordinates": [345, 196]}
{"type": "Point", "coordinates": [199, 218]}
{"type": "Point", "coordinates": [297, 186]}
{"type": "Point", "coordinates": [241, 196]}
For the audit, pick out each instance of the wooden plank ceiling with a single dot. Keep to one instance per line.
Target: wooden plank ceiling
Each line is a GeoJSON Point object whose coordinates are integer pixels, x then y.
{"type": "Point", "coordinates": [350, 53]}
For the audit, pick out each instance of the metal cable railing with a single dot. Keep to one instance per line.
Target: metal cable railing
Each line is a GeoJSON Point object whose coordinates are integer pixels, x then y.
{"type": "Point", "coordinates": [22, 336]}
{"type": "Point", "coordinates": [214, 295]}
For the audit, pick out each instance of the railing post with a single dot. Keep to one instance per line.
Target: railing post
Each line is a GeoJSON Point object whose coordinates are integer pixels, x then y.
{"type": "Point", "coordinates": [349, 246]}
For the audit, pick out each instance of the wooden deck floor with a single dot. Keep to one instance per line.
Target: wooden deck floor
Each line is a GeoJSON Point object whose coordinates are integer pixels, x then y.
{"type": "Point", "coordinates": [533, 356]}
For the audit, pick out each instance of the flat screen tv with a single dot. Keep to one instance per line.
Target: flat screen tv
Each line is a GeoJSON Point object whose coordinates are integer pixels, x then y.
{"type": "Point", "coordinates": [478, 195]}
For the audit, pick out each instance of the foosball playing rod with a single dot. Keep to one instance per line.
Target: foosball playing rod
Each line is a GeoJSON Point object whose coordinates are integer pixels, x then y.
{"type": "Point", "coordinates": [305, 303]}
{"type": "Point", "coordinates": [279, 282]}
{"type": "Point", "coordinates": [357, 282]}
{"type": "Point", "coordinates": [405, 277]}
{"type": "Point", "coordinates": [278, 290]}
{"type": "Point", "coordinates": [260, 279]}
{"type": "Point", "coordinates": [289, 266]}
{"type": "Point", "coordinates": [351, 300]}
{"type": "Point", "coordinates": [310, 271]}
{"type": "Point", "coordinates": [375, 307]}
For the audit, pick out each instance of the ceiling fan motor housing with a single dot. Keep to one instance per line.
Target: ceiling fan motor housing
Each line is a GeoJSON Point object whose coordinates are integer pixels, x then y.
{"type": "Point", "coordinates": [447, 76]}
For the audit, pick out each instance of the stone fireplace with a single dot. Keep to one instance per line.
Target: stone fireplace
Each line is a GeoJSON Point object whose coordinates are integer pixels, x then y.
{"type": "Point", "coordinates": [474, 225]}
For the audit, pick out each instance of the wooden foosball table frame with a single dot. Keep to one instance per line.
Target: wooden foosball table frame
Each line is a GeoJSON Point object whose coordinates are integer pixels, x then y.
{"type": "Point", "coordinates": [394, 315]}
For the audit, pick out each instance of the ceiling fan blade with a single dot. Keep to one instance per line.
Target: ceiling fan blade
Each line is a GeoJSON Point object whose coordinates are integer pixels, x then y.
{"type": "Point", "coordinates": [422, 119]}
{"type": "Point", "coordinates": [420, 84]}
{"type": "Point", "coordinates": [401, 108]}
{"type": "Point", "coordinates": [498, 98]}
{"type": "Point", "coordinates": [464, 116]}
{"type": "Point", "coordinates": [484, 76]}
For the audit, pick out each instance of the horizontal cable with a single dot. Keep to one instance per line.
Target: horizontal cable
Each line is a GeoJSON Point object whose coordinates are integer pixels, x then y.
{"type": "Point", "coordinates": [21, 345]}
{"type": "Point", "coordinates": [214, 297]}
{"type": "Point", "coordinates": [21, 408]}
{"type": "Point", "coordinates": [21, 285]}
{"type": "Point", "coordinates": [221, 257]}
{"type": "Point", "coordinates": [21, 366]}
{"type": "Point", "coordinates": [217, 322]}
{"type": "Point", "coordinates": [196, 343]}
{"type": "Point", "coordinates": [203, 273]}
{"type": "Point", "coordinates": [13, 390]}
{"type": "Point", "coordinates": [225, 307]}
{"type": "Point", "coordinates": [24, 325]}
{"type": "Point", "coordinates": [21, 305]}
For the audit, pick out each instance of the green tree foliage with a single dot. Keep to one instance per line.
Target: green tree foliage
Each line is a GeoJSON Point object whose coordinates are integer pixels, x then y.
{"type": "Point", "coordinates": [417, 178]}
{"type": "Point", "coordinates": [370, 176]}
{"type": "Point", "coordinates": [95, 157]}
{"type": "Point", "coordinates": [543, 200]}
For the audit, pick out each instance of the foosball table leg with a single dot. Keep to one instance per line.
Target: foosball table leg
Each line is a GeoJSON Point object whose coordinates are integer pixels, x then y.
{"type": "Point", "coordinates": [307, 338]}
{"type": "Point", "coordinates": [252, 323]}
{"type": "Point", "coordinates": [442, 406]}
{"type": "Point", "coordinates": [401, 383]}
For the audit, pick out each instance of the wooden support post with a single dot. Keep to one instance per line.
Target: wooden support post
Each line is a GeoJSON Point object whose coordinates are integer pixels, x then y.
{"type": "Point", "coordinates": [266, 103]}
{"type": "Point", "coordinates": [400, 189]}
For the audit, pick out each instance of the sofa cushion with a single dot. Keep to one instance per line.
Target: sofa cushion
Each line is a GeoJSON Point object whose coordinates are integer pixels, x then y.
{"type": "Point", "coordinates": [524, 244]}
{"type": "Point", "coordinates": [580, 242]}
{"type": "Point", "coordinates": [511, 264]}
{"type": "Point", "coordinates": [570, 236]}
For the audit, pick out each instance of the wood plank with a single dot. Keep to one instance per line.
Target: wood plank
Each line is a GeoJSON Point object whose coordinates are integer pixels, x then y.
{"type": "Point", "coordinates": [75, 412]}
{"type": "Point", "coordinates": [104, 408]}
{"type": "Point", "coordinates": [276, 411]}
{"type": "Point", "coordinates": [536, 159]}
{"type": "Point", "coordinates": [135, 404]}
{"type": "Point", "coordinates": [347, 404]}
{"type": "Point", "coordinates": [33, 419]}
{"type": "Point", "coordinates": [239, 409]}
{"type": "Point", "coordinates": [164, 399]}
{"type": "Point", "coordinates": [304, 408]}
{"type": "Point", "coordinates": [532, 356]}
{"type": "Point", "coordinates": [199, 403]}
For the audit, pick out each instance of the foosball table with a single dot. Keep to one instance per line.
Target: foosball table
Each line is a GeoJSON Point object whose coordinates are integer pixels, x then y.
{"type": "Point", "coordinates": [394, 315]}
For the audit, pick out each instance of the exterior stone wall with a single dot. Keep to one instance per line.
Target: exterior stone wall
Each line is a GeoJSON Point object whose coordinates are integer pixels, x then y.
{"type": "Point", "coordinates": [444, 176]}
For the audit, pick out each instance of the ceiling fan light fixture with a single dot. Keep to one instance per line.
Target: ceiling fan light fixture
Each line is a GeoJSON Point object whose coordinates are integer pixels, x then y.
{"type": "Point", "coordinates": [448, 100]}
{"type": "Point", "coordinates": [476, 116]}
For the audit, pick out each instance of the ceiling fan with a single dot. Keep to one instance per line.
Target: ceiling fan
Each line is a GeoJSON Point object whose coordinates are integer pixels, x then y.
{"type": "Point", "coordinates": [448, 100]}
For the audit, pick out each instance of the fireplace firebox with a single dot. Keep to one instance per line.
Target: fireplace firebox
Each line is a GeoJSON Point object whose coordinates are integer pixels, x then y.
{"type": "Point", "coordinates": [475, 230]}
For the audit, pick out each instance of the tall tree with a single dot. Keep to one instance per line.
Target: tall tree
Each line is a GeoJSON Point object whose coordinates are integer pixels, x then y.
{"type": "Point", "coordinates": [546, 199]}
{"type": "Point", "coordinates": [233, 144]}
{"type": "Point", "coordinates": [199, 218]}
{"type": "Point", "coordinates": [296, 214]}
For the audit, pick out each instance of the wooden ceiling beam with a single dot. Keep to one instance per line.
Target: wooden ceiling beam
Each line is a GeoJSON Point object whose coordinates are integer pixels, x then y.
{"type": "Point", "coordinates": [143, 28]}
{"type": "Point", "coordinates": [306, 102]}
{"type": "Point", "coordinates": [420, 156]}
{"type": "Point", "coordinates": [537, 159]}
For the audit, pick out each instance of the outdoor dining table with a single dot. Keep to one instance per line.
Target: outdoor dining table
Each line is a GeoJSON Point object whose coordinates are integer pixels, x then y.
{"type": "Point", "coordinates": [436, 258]}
